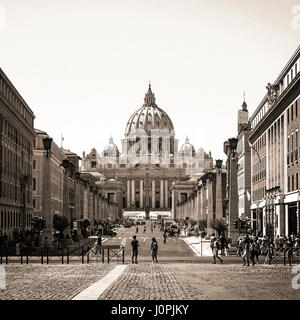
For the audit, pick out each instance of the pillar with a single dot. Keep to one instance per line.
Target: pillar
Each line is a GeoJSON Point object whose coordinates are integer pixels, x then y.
{"type": "Point", "coordinates": [161, 193]}
{"type": "Point", "coordinates": [153, 193]}
{"type": "Point", "coordinates": [141, 194]}
{"type": "Point", "coordinates": [210, 207]}
{"type": "Point", "coordinates": [166, 194]}
{"type": "Point", "coordinates": [219, 200]}
{"type": "Point", "coordinates": [133, 192]}
{"type": "Point", "coordinates": [128, 194]}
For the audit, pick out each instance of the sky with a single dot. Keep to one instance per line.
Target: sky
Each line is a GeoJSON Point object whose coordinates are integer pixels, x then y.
{"type": "Point", "coordinates": [83, 67]}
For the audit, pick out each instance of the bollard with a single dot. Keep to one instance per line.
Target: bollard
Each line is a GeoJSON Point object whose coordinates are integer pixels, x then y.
{"type": "Point", "coordinates": [62, 255]}
{"type": "Point", "coordinates": [102, 250]}
{"type": "Point", "coordinates": [107, 255]}
{"type": "Point", "coordinates": [47, 253]}
{"type": "Point", "coordinates": [21, 258]}
{"type": "Point", "coordinates": [6, 258]}
{"type": "Point", "coordinates": [42, 255]}
{"type": "Point", "coordinates": [68, 255]}
{"type": "Point", "coordinates": [27, 258]}
{"type": "Point", "coordinates": [82, 255]}
{"type": "Point", "coordinates": [123, 255]}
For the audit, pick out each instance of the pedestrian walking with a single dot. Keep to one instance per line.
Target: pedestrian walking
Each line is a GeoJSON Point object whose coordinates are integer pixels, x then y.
{"type": "Point", "coordinates": [216, 248]}
{"type": "Point", "coordinates": [154, 249]}
{"type": "Point", "coordinates": [165, 236]}
{"type": "Point", "coordinates": [252, 251]}
{"type": "Point", "coordinates": [135, 249]}
{"type": "Point", "coordinates": [145, 229]}
{"type": "Point", "coordinates": [212, 241]}
{"type": "Point", "coordinates": [246, 250]}
{"type": "Point", "coordinates": [151, 228]}
{"type": "Point", "coordinates": [137, 230]}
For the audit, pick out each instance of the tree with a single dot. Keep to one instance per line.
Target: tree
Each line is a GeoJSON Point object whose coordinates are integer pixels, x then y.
{"type": "Point", "coordinates": [219, 226]}
{"type": "Point", "coordinates": [202, 225]}
{"type": "Point", "coordinates": [60, 223]}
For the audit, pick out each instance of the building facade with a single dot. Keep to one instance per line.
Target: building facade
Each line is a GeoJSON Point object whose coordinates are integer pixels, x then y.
{"type": "Point", "coordinates": [60, 189]}
{"type": "Point", "coordinates": [149, 161]}
{"type": "Point", "coordinates": [16, 145]}
{"type": "Point", "coordinates": [275, 155]}
{"type": "Point", "coordinates": [203, 198]}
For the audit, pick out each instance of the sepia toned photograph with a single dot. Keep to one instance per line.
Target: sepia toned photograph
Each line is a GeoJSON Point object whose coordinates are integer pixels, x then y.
{"type": "Point", "coordinates": [149, 153]}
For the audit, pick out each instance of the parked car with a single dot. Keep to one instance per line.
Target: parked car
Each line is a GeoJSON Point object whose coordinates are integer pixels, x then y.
{"type": "Point", "coordinates": [109, 232]}
{"type": "Point", "coordinates": [127, 224]}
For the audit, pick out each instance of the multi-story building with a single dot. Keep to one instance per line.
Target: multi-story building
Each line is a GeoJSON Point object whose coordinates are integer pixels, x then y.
{"type": "Point", "coordinates": [275, 154]}
{"type": "Point", "coordinates": [16, 145]}
{"type": "Point", "coordinates": [60, 189]}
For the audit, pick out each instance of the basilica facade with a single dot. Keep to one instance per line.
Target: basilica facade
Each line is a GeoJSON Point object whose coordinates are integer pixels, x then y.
{"type": "Point", "coordinates": [140, 176]}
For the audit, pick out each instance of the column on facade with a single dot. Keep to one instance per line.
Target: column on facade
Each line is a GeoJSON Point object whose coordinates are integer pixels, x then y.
{"type": "Point", "coordinates": [141, 194]}
{"type": "Point", "coordinates": [161, 193]}
{"type": "Point", "coordinates": [128, 194]}
{"type": "Point", "coordinates": [153, 193]}
{"type": "Point", "coordinates": [219, 200]}
{"type": "Point", "coordinates": [166, 194]}
{"type": "Point", "coordinates": [210, 206]}
{"type": "Point", "coordinates": [133, 192]}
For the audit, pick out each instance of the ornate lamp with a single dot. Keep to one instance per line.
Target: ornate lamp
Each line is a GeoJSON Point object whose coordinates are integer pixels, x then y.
{"type": "Point", "coordinates": [219, 164]}
{"type": "Point", "coordinates": [233, 143]}
{"type": "Point", "coordinates": [47, 145]}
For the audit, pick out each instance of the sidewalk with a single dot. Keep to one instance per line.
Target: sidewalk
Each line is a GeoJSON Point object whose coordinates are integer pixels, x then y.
{"type": "Point", "coordinates": [200, 249]}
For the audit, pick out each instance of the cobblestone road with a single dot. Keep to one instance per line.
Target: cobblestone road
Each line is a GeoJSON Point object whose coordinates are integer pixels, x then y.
{"type": "Point", "coordinates": [50, 282]}
{"type": "Point", "coordinates": [203, 282]}
{"type": "Point", "coordinates": [156, 282]}
{"type": "Point", "coordinates": [147, 282]}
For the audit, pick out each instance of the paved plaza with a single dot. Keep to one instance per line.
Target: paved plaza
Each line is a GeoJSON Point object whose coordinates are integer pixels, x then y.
{"type": "Point", "coordinates": [179, 275]}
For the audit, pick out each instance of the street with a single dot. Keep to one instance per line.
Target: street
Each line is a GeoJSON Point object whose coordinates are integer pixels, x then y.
{"type": "Point", "coordinates": [179, 275]}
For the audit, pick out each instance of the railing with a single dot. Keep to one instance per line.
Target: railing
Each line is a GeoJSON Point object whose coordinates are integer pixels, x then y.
{"type": "Point", "coordinates": [63, 255]}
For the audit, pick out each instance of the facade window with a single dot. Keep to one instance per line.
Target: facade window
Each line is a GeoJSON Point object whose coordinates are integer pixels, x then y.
{"type": "Point", "coordinates": [297, 181]}
{"type": "Point", "coordinates": [288, 150]}
{"type": "Point", "coordinates": [296, 109]}
{"type": "Point", "coordinates": [93, 164]}
{"type": "Point", "coordinates": [289, 184]}
{"type": "Point", "coordinates": [33, 201]}
{"type": "Point", "coordinates": [33, 164]}
{"type": "Point", "coordinates": [34, 184]}
{"type": "Point", "coordinates": [293, 185]}
{"type": "Point", "coordinates": [296, 145]}
{"type": "Point", "coordinates": [292, 113]}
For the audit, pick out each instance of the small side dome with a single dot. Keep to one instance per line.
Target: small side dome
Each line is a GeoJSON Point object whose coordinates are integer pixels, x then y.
{"type": "Point", "coordinates": [187, 148]}
{"type": "Point", "coordinates": [111, 150]}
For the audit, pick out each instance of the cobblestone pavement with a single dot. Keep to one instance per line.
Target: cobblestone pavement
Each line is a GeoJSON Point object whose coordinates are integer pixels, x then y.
{"type": "Point", "coordinates": [192, 281]}
{"type": "Point", "coordinates": [202, 282]}
{"type": "Point", "coordinates": [50, 282]}
{"type": "Point", "coordinates": [147, 282]}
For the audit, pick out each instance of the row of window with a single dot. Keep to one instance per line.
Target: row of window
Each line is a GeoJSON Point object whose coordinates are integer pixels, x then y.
{"type": "Point", "coordinates": [13, 165]}
{"type": "Point", "coordinates": [282, 86]}
{"type": "Point", "coordinates": [12, 192]}
{"type": "Point", "coordinates": [292, 148]}
{"type": "Point", "coordinates": [10, 220]}
{"type": "Point", "coordinates": [15, 102]}
{"type": "Point", "coordinates": [10, 132]}
{"type": "Point", "coordinates": [293, 182]}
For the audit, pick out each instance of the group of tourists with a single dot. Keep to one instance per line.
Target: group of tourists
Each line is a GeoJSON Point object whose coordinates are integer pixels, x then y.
{"type": "Point", "coordinates": [219, 245]}
{"type": "Point", "coordinates": [250, 247]}
{"type": "Point", "coordinates": [135, 249]}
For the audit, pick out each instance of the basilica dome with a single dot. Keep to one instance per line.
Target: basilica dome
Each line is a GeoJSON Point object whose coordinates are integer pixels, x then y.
{"type": "Point", "coordinates": [148, 117]}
